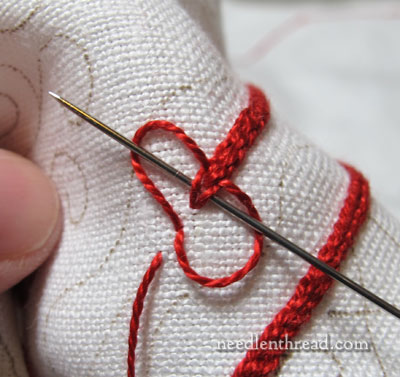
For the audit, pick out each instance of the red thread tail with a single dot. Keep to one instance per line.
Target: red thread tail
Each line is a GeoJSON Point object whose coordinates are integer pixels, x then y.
{"type": "Point", "coordinates": [137, 310]}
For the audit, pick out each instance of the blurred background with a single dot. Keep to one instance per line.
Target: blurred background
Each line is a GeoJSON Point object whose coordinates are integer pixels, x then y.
{"type": "Point", "coordinates": [332, 70]}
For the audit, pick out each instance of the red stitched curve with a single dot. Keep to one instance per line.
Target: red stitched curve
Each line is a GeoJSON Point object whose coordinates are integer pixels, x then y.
{"type": "Point", "coordinates": [311, 288]}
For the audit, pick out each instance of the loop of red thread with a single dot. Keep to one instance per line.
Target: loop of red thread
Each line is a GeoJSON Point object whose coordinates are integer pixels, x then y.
{"type": "Point", "coordinates": [137, 310]}
{"type": "Point", "coordinates": [212, 176]}
{"type": "Point", "coordinates": [311, 288]}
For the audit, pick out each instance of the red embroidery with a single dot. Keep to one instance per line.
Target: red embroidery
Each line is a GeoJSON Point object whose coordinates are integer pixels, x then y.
{"type": "Point", "coordinates": [137, 310]}
{"type": "Point", "coordinates": [213, 175]}
{"type": "Point", "coordinates": [312, 287]}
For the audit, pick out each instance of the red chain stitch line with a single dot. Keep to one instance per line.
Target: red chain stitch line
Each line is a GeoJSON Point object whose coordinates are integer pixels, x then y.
{"type": "Point", "coordinates": [231, 152]}
{"type": "Point", "coordinates": [312, 287]}
{"type": "Point", "coordinates": [212, 176]}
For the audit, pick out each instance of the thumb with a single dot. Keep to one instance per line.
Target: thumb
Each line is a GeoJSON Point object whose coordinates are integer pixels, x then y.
{"type": "Point", "coordinates": [29, 218]}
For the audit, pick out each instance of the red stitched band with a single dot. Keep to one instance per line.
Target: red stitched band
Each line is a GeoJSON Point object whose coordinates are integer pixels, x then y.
{"type": "Point", "coordinates": [231, 152]}
{"type": "Point", "coordinates": [312, 287]}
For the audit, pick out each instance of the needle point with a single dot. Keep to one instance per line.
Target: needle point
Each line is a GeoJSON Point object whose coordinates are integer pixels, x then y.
{"type": "Point", "coordinates": [252, 222]}
{"type": "Point", "coordinates": [56, 96]}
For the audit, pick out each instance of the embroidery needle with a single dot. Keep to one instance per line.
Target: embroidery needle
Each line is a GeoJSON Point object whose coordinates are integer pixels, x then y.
{"type": "Point", "coordinates": [235, 212]}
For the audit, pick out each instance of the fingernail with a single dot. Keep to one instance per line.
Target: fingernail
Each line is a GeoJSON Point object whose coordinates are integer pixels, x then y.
{"type": "Point", "coordinates": [29, 207]}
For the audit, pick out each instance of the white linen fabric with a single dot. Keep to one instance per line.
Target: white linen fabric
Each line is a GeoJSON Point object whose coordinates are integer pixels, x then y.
{"type": "Point", "coordinates": [127, 62]}
{"type": "Point", "coordinates": [318, 61]}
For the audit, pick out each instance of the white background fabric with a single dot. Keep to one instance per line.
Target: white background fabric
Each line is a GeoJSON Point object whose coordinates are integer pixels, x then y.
{"type": "Point", "coordinates": [332, 69]}
{"type": "Point", "coordinates": [127, 62]}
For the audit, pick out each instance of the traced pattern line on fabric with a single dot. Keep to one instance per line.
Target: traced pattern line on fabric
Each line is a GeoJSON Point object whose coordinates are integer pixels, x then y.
{"type": "Point", "coordinates": [9, 355]}
{"type": "Point", "coordinates": [100, 267]}
{"type": "Point", "coordinates": [375, 351]}
{"type": "Point", "coordinates": [122, 231]}
{"type": "Point", "coordinates": [384, 230]}
{"type": "Point", "coordinates": [284, 359]}
{"type": "Point", "coordinates": [93, 273]}
{"type": "Point", "coordinates": [87, 61]}
{"type": "Point", "coordinates": [115, 320]}
{"type": "Point", "coordinates": [78, 166]}
{"type": "Point", "coordinates": [175, 92]}
{"type": "Point", "coordinates": [312, 287]}
{"type": "Point", "coordinates": [281, 184]}
{"type": "Point", "coordinates": [362, 314]}
{"type": "Point", "coordinates": [35, 94]}
{"type": "Point", "coordinates": [367, 324]}
{"type": "Point", "coordinates": [289, 354]}
{"type": "Point", "coordinates": [338, 363]}
{"type": "Point", "coordinates": [22, 23]}
{"type": "Point", "coordinates": [112, 323]}
{"type": "Point", "coordinates": [23, 75]}
{"type": "Point", "coordinates": [17, 110]}
{"type": "Point", "coordinates": [347, 314]}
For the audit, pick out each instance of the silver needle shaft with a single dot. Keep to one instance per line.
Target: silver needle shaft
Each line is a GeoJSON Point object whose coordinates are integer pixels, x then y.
{"type": "Point", "coordinates": [234, 211]}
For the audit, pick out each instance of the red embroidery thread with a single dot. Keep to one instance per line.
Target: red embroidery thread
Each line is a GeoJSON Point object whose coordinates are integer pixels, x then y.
{"type": "Point", "coordinates": [312, 287]}
{"type": "Point", "coordinates": [213, 175]}
{"type": "Point", "coordinates": [137, 310]}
